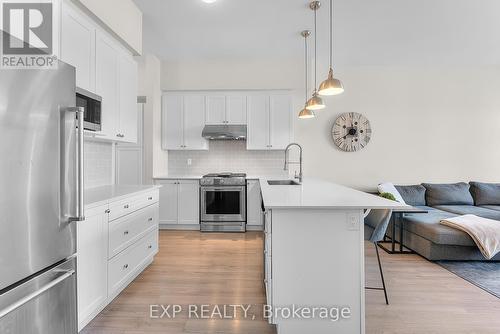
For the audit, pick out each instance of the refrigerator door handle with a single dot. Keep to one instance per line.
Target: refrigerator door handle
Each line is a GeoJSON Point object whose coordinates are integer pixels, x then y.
{"type": "Point", "coordinates": [36, 293]}
{"type": "Point", "coordinates": [80, 209]}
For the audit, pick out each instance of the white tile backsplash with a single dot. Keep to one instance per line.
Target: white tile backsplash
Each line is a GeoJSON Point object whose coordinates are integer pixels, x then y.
{"type": "Point", "coordinates": [98, 164]}
{"type": "Point", "coordinates": [226, 156]}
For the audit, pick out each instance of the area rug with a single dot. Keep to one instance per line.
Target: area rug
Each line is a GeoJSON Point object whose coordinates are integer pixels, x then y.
{"type": "Point", "coordinates": [485, 275]}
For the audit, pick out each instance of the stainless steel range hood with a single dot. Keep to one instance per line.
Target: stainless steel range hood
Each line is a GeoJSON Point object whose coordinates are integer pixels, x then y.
{"type": "Point", "coordinates": [225, 132]}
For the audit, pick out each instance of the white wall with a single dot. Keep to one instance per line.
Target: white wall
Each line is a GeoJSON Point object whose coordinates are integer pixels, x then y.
{"type": "Point", "coordinates": [156, 160]}
{"type": "Point", "coordinates": [434, 124]}
{"type": "Point", "coordinates": [122, 17]}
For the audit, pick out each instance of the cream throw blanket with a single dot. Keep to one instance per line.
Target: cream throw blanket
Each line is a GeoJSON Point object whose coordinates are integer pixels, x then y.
{"type": "Point", "coordinates": [485, 232]}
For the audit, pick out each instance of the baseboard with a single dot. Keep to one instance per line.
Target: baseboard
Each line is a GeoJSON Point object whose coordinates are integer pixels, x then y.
{"type": "Point", "coordinates": [180, 227]}
{"type": "Point", "coordinates": [191, 227]}
{"type": "Point", "coordinates": [255, 227]}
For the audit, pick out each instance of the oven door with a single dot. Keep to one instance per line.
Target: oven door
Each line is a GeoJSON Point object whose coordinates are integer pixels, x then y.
{"type": "Point", "coordinates": [223, 204]}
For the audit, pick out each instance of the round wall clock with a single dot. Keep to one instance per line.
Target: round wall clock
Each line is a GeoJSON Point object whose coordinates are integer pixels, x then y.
{"type": "Point", "coordinates": [351, 132]}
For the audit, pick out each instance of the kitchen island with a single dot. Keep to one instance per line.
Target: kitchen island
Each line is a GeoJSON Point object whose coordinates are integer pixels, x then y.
{"type": "Point", "coordinates": [314, 256]}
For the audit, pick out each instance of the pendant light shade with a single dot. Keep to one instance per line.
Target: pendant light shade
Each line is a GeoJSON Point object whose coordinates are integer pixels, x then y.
{"type": "Point", "coordinates": [331, 86]}
{"type": "Point", "coordinates": [306, 113]}
{"type": "Point", "coordinates": [315, 102]}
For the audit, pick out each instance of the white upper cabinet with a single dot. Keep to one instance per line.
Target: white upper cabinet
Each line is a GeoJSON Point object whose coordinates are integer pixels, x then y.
{"type": "Point", "coordinates": [105, 67]}
{"type": "Point", "coordinates": [216, 110]}
{"type": "Point", "coordinates": [280, 123]}
{"type": "Point", "coordinates": [78, 46]}
{"type": "Point", "coordinates": [258, 123]}
{"type": "Point", "coordinates": [236, 109]}
{"type": "Point", "coordinates": [226, 109]}
{"type": "Point", "coordinates": [194, 122]}
{"type": "Point", "coordinates": [269, 122]}
{"type": "Point", "coordinates": [172, 122]}
{"type": "Point", "coordinates": [268, 118]}
{"type": "Point", "coordinates": [127, 68]}
{"type": "Point", "coordinates": [107, 85]}
{"type": "Point", "coordinates": [182, 122]}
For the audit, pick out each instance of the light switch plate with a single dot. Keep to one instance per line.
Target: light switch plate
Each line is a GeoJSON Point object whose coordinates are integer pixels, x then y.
{"type": "Point", "coordinates": [189, 162]}
{"type": "Point", "coordinates": [352, 222]}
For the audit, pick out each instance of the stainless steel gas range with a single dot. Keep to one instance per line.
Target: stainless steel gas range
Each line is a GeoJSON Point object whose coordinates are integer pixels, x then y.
{"type": "Point", "coordinates": [223, 199]}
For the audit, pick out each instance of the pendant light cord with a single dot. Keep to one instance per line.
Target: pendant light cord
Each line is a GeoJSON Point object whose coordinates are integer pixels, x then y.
{"type": "Point", "coordinates": [306, 63]}
{"type": "Point", "coordinates": [331, 33]}
{"type": "Point", "coordinates": [315, 48]}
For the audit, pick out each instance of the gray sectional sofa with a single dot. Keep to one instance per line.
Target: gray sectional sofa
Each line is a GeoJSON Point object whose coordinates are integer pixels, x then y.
{"type": "Point", "coordinates": [425, 235]}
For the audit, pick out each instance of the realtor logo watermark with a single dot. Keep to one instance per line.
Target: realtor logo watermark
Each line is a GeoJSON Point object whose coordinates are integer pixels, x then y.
{"type": "Point", "coordinates": [29, 34]}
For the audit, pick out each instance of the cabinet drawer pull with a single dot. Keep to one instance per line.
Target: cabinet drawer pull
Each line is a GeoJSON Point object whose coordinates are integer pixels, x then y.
{"type": "Point", "coordinates": [150, 246]}
{"type": "Point", "coordinates": [150, 198]}
{"type": "Point", "coordinates": [125, 266]}
{"type": "Point", "coordinates": [107, 211]}
{"type": "Point", "coordinates": [125, 232]}
{"type": "Point", "coordinates": [150, 219]}
{"type": "Point", "coordinates": [126, 206]}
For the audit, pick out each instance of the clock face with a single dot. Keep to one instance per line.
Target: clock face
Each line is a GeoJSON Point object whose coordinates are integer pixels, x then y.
{"type": "Point", "coordinates": [351, 132]}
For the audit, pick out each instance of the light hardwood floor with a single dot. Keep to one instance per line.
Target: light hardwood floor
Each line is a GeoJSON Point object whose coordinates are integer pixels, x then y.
{"type": "Point", "coordinates": [196, 268]}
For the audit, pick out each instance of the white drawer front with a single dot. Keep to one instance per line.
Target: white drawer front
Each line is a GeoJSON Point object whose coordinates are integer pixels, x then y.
{"type": "Point", "coordinates": [126, 263]}
{"type": "Point", "coordinates": [128, 229]}
{"type": "Point", "coordinates": [125, 206]}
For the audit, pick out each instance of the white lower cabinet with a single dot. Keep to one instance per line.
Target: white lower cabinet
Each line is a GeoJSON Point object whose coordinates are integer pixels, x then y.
{"type": "Point", "coordinates": [254, 205]}
{"type": "Point", "coordinates": [92, 263]}
{"type": "Point", "coordinates": [115, 243]}
{"type": "Point", "coordinates": [179, 203]}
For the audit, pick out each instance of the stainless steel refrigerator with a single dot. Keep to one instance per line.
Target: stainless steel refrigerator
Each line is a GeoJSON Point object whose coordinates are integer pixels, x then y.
{"type": "Point", "coordinates": [41, 199]}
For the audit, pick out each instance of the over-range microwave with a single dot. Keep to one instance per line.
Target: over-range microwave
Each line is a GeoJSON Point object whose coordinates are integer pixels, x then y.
{"type": "Point", "coordinates": [92, 106]}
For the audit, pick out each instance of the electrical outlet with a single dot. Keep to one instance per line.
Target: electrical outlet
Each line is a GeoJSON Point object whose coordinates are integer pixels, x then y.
{"type": "Point", "coordinates": [352, 222]}
{"type": "Point", "coordinates": [189, 162]}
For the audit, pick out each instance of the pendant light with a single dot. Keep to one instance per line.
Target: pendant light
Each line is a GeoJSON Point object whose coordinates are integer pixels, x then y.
{"type": "Point", "coordinates": [305, 113]}
{"type": "Point", "coordinates": [315, 102]}
{"type": "Point", "coordinates": [331, 86]}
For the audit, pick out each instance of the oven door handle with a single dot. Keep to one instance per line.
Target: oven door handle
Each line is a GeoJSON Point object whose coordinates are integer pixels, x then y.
{"type": "Point", "coordinates": [224, 188]}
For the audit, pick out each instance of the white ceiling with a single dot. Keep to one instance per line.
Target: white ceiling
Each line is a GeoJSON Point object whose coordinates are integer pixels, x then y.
{"type": "Point", "coordinates": [367, 32]}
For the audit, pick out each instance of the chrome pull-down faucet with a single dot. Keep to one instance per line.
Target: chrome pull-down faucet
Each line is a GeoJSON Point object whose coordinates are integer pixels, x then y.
{"type": "Point", "coordinates": [299, 177]}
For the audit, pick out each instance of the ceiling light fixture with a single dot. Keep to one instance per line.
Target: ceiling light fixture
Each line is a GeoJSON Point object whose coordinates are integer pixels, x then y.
{"type": "Point", "coordinates": [315, 102]}
{"type": "Point", "coordinates": [331, 86]}
{"type": "Point", "coordinates": [305, 113]}
{"type": "Point", "coordinates": [209, 1]}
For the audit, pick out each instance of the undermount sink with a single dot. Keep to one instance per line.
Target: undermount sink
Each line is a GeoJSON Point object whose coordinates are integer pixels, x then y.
{"type": "Point", "coordinates": [283, 183]}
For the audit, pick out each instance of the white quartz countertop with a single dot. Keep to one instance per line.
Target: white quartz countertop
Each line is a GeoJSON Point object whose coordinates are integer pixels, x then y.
{"type": "Point", "coordinates": [322, 194]}
{"type": "Point", "coordinates": [102, 195]}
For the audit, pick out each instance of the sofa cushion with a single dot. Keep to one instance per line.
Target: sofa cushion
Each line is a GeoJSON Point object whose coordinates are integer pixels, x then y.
{"type": "Point", "coordinates": [413, 195]}
{"type": "Point", "coordinates": [491, 207]}
{"type": "Point", "coordinates": [485, 193]}
{"type": "Point", "coordinates": [427, 226]}
{"type": "Point", "coordinates": [470, 210]}
{"type": "Point", "coordinates": [448, 194]}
